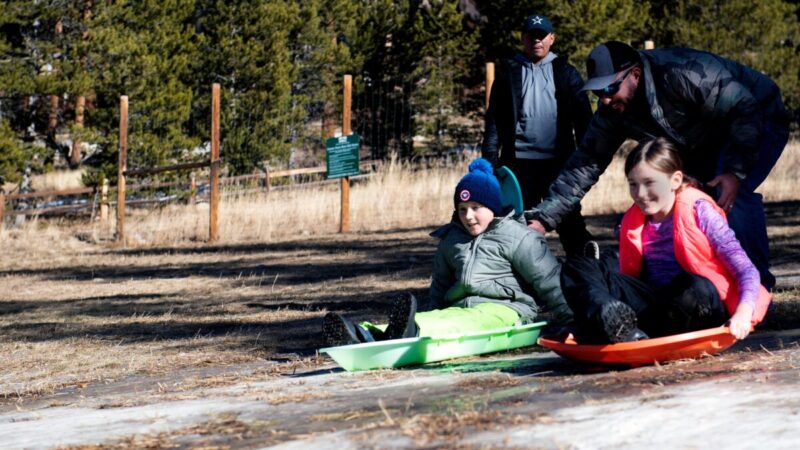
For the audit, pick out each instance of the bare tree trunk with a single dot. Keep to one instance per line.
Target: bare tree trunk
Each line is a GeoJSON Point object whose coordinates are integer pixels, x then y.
{"type": "Point", "coordinates": [75, 155]}
{"type": "Point", "coordinates": [329, 112]}
{"type": "Point", "coordinates": [80, 101]}
{"type": "Point", "coordinates": [52, 119]}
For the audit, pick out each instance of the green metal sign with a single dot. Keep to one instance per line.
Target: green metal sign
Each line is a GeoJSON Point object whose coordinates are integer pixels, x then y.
{"type": "Point", "coordinates": [342, 156]}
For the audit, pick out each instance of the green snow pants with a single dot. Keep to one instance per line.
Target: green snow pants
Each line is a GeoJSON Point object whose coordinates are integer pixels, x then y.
{"type": "Point", "coordinates": [456, 320]}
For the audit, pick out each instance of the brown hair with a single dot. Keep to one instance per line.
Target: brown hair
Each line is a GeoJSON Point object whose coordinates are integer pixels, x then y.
{"type": "Point", "coordinates": [658, 153]}
{"type": "Point", "coordinates": [661, 155]}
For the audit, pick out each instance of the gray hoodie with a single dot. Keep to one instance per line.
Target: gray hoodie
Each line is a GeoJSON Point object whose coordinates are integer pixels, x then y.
{"type": "Point", "coordinates": [536, 128]}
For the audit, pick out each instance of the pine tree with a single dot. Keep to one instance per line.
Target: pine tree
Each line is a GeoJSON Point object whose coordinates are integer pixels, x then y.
{"type": "Point", "coordinates": [323, 53]}
{"type": "Point", "coordinates": [280, 64]}
{"type": "Point", "coordinates": [383, 90]}
{"type": "Point", "coordinates": [500, 24]}
{"type": "Point", "coordinates": [143, 50]}
{"type": "Point", "coordinates": [13, 156]}
{"type": "Point", "coordinates": [763, 35]}
{"type": "Point", "coordinates": [445, 54]}
{"type": "Point", "coordinates": [28, 58]}
{"type": "Point", "coordinates": [245, 48]}
{"type": "Point", "coordinates": [581, 25]}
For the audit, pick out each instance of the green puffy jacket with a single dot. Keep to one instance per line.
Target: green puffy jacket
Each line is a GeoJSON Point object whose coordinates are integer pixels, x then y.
{"type": "Point", "coordinates": [508, 264]}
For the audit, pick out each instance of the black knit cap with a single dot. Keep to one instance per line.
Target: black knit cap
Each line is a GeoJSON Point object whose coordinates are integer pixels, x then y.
{"type": "Point", "coordinates": [606, 61]}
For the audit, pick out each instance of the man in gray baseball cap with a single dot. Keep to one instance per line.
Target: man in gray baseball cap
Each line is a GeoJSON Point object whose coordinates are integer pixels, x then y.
{"type": "Point", "coordinates": [727, 121]}
{"type": "Point", "coordinates": [606, 61]}
{"type": "Point", "coordinates": [537, 113]}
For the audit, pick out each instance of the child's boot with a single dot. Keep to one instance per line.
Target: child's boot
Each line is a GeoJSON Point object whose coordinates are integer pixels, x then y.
{"type": "Point", "coordinates": [591, 250]}
{"type": "Point", "coordinates": [401, 319]}
{"type": "Point", "coordinates": [338, 330]}
{"type": "Point", "coordinates": [365, 335]}
{"type": "Point", "coordinates": [618, 322]}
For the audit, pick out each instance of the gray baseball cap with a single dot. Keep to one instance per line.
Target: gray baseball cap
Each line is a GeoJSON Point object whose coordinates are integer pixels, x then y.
{"type": "Point", "coordinates": [606, 61]}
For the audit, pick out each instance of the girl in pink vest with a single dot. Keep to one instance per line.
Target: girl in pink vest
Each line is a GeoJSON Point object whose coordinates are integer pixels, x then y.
{"type": "Point", "coordinates": [680, 266]}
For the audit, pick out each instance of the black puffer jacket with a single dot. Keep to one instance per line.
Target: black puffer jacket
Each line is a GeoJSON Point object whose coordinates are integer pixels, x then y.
{"type": "Point", "coordinates": [709, 106]}
{"type": "Point", "coordinates": [572, 116]}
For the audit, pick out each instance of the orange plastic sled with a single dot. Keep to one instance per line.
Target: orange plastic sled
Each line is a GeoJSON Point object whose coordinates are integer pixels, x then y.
{"type": "Point", "coordinates": [646, 352]}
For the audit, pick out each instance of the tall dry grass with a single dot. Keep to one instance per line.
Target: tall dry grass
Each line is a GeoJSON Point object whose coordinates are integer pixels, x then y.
{"type": "Point", "coordinates": [397, 196]}
{"type": "Point", "coordinates": [58, 180]}
{"type": "Point", "coordinates": [783, 183]}
{"type": "Point", "coordinates": [52, 181]}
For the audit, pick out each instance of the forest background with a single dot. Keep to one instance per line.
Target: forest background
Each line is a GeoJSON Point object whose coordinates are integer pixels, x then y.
{"type": "Point", "coordinates": [418, 70]}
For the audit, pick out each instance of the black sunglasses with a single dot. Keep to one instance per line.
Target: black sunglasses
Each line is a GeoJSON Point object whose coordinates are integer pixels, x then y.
{"type": "Point", "coordinates": [612, 88]}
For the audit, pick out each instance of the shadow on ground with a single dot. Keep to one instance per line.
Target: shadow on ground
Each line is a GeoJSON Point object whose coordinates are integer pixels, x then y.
{"type": "Point", "coordinates": [310, 264]}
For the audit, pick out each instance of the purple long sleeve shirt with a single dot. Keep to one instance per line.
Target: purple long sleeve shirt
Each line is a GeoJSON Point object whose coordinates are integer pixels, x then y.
{"type": "Point", "coordinates": [661, 266]}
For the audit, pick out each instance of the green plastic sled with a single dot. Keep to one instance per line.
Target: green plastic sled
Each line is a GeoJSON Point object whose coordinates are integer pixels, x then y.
{"type": "Point", "coordinates": [509, 187]}
{"type": "Point", "coordinates": [427, 349]}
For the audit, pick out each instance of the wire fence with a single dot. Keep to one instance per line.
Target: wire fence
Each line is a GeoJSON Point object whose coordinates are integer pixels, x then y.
{"type": "Point", "coordinates": [188, 188]}
{"type": "Point", "coordinates": [386, 114]}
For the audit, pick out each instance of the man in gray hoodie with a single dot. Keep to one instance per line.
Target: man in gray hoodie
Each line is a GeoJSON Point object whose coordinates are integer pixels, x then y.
{"type": "Point", "coordinates": [536, 115]}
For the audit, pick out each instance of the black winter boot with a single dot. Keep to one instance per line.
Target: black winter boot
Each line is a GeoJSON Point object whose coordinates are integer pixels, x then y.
{"type": "Point", "coordinates": [338, 330]}
{"type": "Point", "coordinates": [401, 319]}
{"type": "Point", "coordinates": [365, 335]}
{"type": "Point", "coordinates": [591, 250]}
{"type": "Point", "coordinates": [691, 303]}
{"type": "Point", "coordinates": [618, 322]}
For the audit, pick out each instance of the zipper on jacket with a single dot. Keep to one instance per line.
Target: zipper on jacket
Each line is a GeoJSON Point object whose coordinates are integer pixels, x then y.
{"type": "Point", "coordinates": [468, 267]}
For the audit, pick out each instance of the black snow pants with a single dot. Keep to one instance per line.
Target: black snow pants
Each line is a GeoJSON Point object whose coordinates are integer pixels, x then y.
{"type": "Point", "coordinates": [687, 303]}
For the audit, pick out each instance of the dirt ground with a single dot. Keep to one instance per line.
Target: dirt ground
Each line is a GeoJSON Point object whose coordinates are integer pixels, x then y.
{"type": "Point", "coordinates": [214, 346]}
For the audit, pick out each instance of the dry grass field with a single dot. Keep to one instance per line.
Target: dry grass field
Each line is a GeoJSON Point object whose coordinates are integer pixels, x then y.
{"type": "Point", "coordinates": [396, 197]}
{"type": "Point", "coordinates": [75, 309]}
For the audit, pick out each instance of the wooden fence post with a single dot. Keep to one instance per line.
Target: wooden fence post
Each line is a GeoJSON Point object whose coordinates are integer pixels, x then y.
{"type": "Point", "coordinates": [489, 82]}
{"type": "Point", "coordinates": [267, 181]}
{"type": "Point", "coordinates": [214, 198]}
{"type": "Point", "coordinates": [344, 224]}
{"type": "Point", "coordinates": [122, 166]}
{"type": "Point", "coordinates": [104, 202]}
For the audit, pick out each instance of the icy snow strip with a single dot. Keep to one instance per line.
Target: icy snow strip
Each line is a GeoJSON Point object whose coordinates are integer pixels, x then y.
{"type": "Point", "coordinates": [710, 414]}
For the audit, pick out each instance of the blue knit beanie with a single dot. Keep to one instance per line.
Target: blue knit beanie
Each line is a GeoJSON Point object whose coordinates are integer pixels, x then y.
{"type": "Point", "coordinates": [480, 185]}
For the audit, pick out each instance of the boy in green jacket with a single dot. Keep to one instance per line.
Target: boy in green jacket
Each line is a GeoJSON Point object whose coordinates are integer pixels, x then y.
{"type": "Point", "coordinates": [490, 271]}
